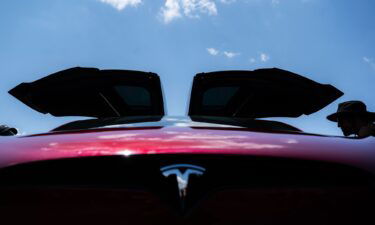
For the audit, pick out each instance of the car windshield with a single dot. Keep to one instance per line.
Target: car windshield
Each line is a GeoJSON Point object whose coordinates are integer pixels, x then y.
{"type": "Point", "coordinates": [329, 42]}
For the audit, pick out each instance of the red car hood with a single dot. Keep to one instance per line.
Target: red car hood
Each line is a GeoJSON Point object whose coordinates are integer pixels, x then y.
{"type": "Point", "coordinates": [186, 140]}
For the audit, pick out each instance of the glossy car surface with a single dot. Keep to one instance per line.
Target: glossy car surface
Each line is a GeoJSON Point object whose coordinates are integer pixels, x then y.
{"type": "Point", "coordinates": [182, 136]}
{"type": "Point", "coordinates": [209, 168]}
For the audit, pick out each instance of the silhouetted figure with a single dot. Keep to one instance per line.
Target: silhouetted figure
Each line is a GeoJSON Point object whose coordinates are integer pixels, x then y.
{"type": "Point", "coordinates": [7, 131]}
{"type": "Point", "coordinates": [353, 118]}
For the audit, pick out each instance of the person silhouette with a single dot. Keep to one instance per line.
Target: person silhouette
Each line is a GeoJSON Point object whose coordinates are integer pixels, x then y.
{"type": "Point", "coordinates": [353, 118]}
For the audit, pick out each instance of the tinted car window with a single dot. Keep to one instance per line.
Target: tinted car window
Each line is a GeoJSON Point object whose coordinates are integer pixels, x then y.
{"type": "Point", "coordinates": [219, 96]}
{"type": "Point", "coordinates": [133, 95]}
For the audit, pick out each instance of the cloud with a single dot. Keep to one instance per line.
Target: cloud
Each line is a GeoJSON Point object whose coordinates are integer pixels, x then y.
{"type": "Point", "coordinates": [227, 1]}
{"type": "Point", "coordinates": [122, 4]}
{"type": "Point", "coordinates": [190, 8]}
{"type": "Point", "coordinates": [171, 10]}
{"type": "Point", "coordinates": [264, 57]}
{"type": "Point", "coordinates": [213, 51]}
{"type": "Point", "coordinates": [230, 54]}
{"type": "Point", "coordinates": [369, 61]}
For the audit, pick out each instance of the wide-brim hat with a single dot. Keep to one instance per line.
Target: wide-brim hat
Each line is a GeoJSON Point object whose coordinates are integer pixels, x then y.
{"type": "Point", "coordinates": [351, 108]}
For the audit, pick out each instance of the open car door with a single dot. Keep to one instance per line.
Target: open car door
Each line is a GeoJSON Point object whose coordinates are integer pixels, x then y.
{"type": "Point", "coordinates": [258, 94]}
{"type": "Point", "coordinates": [94, 93]}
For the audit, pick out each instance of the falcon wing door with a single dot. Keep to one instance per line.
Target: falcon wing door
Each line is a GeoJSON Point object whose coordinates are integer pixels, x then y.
{"type": "Point", "coordinates": [94, 93]}
{"type": "Point", "coordinates": [258, 94]}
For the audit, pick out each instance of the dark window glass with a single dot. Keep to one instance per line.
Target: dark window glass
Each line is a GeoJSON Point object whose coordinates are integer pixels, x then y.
{"type": "Point", "coordinates": [134, 96]}
{"type": "Point", "coordinates": [218, 96]}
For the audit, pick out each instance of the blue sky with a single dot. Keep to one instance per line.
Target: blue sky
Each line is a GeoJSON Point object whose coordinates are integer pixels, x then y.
{"type": "Point", "coordinates": [330, 41]}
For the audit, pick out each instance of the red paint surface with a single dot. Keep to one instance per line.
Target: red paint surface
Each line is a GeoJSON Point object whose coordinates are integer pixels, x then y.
{"type": "Point", "coordinates": [186, 140]}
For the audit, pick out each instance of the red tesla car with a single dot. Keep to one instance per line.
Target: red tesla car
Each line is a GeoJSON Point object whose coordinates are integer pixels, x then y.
{"type": "Point", "coordinates": [221, 164]}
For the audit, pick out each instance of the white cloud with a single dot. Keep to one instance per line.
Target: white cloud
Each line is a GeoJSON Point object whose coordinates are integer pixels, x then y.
{"type": "Point", "coordinates": [171, 10]}
{"type": "Point", "coordinates": [227, 1]}
{"type": "Point", "coordinates": [264, 57]}
{"type": "Point", "coordinates": [230, 54]}
{"type": "Point", "coordinates": [213, 51]}
{"type": "Point", "coordinates": [122, 4]}
{"type": "Point", "coordinates": [369, 61]}
{"type": "Point", "coordinates": [190, 8]}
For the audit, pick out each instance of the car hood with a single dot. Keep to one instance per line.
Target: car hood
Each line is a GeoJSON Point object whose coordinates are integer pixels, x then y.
{"type": "Point", "coordinates": [186, 140]}
{"type": "Point", "coordinates": [94, 93]}
{"type": "Point", "coordinates": [258, 94]}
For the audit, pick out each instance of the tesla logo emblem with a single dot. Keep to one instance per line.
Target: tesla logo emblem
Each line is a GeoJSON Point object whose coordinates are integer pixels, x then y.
{"type": "Point", "coordinates": [182, 172]}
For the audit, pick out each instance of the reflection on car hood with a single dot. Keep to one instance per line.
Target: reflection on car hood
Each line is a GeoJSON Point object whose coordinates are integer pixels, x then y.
{"type": "Point", "coordinates": [186, 140]}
